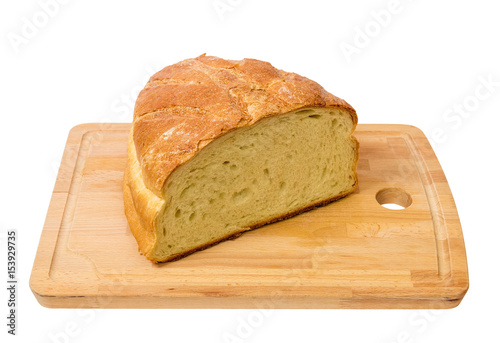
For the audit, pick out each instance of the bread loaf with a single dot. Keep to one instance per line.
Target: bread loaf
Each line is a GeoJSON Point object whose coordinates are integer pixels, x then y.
{"type": "Point", "coordinates": [219, 147]}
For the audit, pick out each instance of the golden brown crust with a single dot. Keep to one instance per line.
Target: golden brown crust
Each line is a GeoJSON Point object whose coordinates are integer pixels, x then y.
{"type": "Point", "coordinates": [140, 232]}
{"type": "Point", "coordinates": [186, 106]}
{"type": "Point", "coordinates": [141, 205]}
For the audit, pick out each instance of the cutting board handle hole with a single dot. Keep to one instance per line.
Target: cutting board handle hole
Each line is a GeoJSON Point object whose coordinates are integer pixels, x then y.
{"type": "Point", "coordinates": [393, 198]}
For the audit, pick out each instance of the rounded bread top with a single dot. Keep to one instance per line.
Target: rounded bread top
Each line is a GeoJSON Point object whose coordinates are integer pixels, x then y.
{"type": "Point", "coordinates": [187, 105]}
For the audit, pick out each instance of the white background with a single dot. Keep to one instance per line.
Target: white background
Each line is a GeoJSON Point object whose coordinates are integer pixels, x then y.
{"type": "Point", "coordinates": [85, 61]}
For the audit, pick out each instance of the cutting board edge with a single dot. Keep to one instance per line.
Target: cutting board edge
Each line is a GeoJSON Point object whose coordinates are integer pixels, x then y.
{"type": "Point", "coordinates": [206, 302]}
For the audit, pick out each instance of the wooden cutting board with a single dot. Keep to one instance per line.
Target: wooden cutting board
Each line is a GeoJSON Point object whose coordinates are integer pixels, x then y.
{"type": "Point", "coordinates": [353, 253]}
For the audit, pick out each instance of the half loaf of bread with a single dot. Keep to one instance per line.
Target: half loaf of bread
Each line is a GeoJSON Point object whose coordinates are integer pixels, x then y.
{"type": "Point", "coordinates": [219, 147]}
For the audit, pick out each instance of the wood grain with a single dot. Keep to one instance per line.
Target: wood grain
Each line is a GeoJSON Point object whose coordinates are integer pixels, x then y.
{"type": "Point", "coordinates": [353, 253]}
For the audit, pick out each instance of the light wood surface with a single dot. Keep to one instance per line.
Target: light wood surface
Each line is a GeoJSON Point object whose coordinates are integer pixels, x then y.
{"type": "Point", "coordinates": [353, 253]}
